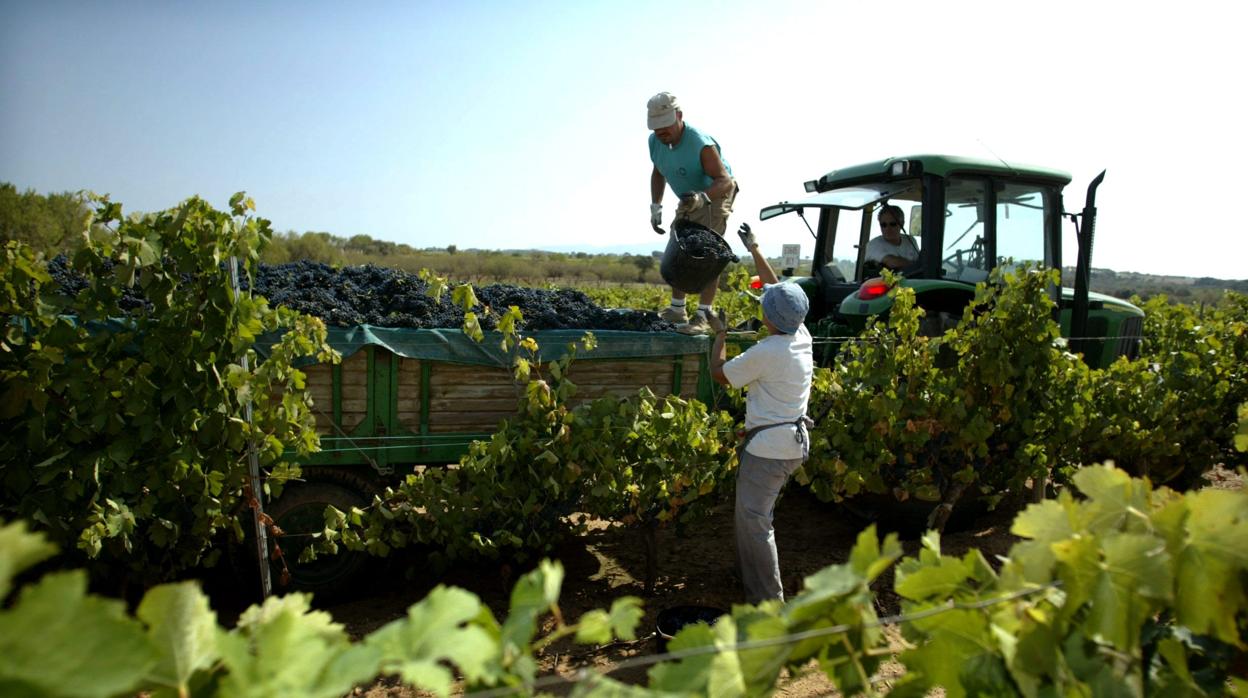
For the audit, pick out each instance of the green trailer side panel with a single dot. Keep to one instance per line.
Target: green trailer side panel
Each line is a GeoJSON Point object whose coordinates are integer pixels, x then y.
{"type": "Point", "coordinates": [336, 373]}
{"type": "Point", "coordinates": [465, 388]}
{"type": "Point", "coordinates": [678, 366]}
{"type": "Point", "coordinates": [426, 372]}
{"type": "Point", "coordinates": [381, 403]}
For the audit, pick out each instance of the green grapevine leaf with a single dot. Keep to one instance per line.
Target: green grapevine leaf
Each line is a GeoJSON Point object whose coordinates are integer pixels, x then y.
{"type": "Point", "coordinates": [868, 559]}
{"type": "Point", "coordinates": [957, 636]}
{"type": "Point", "coordinates": [1211, 567]}
{"type": "Point", "coordinates": [937, 581]}
{"type": "Point", "coordinates": [594, 627]}
{"type": "Point", "coordinates": [1241, 431]}
{"type": "Point", "coordinates": [57, 641]}
{"type": "Point", "coordinates": [761, 666]}
{"type": "Point", "coordinates": [437, 629]}
{"type": "Point", "coordinates": [1135, 577]}
{"type": "Point", "coordinates": [1045, 522]}
{"type": "Point", "coordinates": [986, 675]}
{"type": "Point", "coordinates": [20, 550]}
{"type": "Point", "coordinates": [690, 674]}
{"type": "Point", "coordinates": [600, 626]}
{"type": "Point", "coordinates": [282, 647]}
{"type": "Point", "coordinates": [184, 631]}
{"type": "Point", "coordinates": [465, 297]}
{"type": "Point", "coordinates": [1116, 499]}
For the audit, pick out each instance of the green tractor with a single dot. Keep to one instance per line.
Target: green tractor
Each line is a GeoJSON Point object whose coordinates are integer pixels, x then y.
{"type": "Point", "coordinates": [962, 217]}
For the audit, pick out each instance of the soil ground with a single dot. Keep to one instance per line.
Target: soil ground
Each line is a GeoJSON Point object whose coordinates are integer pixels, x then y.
{"type": "Point", "coordinates": [695, 568]}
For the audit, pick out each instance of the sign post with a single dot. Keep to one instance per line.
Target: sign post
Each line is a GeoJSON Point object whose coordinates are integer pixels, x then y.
{"type": "Point", "coordinates": [792, 256]}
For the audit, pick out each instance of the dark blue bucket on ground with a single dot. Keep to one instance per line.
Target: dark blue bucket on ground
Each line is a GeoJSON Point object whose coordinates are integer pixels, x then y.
{"type": "Point", "coordinates": [694, 257]}
{"type": "Point", "coordinates": [671, 620]}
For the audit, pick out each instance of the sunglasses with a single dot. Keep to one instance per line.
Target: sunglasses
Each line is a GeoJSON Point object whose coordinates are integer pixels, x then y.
{"type": "Point", "coordinates": [894, 224]}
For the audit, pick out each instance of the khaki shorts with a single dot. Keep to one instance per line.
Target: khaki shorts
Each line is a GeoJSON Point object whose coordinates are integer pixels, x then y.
{"type": "Point", "coordinates": [714, 216]}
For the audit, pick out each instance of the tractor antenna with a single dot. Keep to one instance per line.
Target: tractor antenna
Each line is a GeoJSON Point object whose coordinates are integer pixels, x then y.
{"type": "Point", "coordinates": [994, 154]}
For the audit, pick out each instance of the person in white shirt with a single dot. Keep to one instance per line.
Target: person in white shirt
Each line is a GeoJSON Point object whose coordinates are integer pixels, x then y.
{"type": "Point", "coordinates": [893, 249]}
{"type": "Point", "coordinates": [777, 371]}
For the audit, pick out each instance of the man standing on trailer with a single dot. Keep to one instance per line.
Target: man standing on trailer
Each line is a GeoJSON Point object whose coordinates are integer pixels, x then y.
{"type": "Point", "coordinates": [691, 163]}
{"type": "Point", "coordinates": [777, 373]}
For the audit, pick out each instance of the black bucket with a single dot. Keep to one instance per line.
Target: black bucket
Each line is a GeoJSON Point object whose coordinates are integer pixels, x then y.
{"type": "Point", "coordinates": [694, 257]}
{"type": "Point", "coordinates": [671, 620]}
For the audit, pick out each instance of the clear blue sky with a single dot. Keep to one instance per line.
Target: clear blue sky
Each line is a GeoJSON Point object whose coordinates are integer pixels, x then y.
{"type": "Point", "coordinates": [521, 124]}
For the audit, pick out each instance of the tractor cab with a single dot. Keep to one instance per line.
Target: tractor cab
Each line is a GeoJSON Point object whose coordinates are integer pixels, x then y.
{"type": "Point", "coordinates": [960, 218]}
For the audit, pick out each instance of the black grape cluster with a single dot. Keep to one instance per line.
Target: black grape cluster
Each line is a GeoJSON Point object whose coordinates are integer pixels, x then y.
{"type": "Point", "coordinates": [384, 297]}
{"type": "Point", "coordinates": [701, 242]}
{"type": "Point", "coordinates": [72, 283]}
{"type": "Point", "coordinates": [394, 298]}
{"type": "Point", "coordinates": [354, 295]}
{"type": "Point", "coordinates": [568, 309]}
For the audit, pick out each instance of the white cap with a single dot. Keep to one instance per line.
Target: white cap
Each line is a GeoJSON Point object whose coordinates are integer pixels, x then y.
{"type": "Point", "coordinates": [662, 110]}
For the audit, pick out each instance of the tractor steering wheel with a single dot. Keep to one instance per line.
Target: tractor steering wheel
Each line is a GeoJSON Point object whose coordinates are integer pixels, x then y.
{"type": "Point", "coordinates": [953, 263]}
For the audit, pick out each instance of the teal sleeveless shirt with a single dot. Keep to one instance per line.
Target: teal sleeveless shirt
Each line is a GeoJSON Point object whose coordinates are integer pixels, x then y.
{"type": "Point", "coordinates": [682, 166]}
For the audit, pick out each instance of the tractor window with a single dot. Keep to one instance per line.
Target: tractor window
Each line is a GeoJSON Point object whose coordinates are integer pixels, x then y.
{"type": "Point", "coordinates": [848, 235]}
{"type": "Point", "coordinates": [964, 257]}
{"type": "Point", "coordinates": [1021, 214]}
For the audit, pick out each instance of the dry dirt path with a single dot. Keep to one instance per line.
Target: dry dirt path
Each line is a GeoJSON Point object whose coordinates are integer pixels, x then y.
{"type": "Point", "coordinates": [696, 567]}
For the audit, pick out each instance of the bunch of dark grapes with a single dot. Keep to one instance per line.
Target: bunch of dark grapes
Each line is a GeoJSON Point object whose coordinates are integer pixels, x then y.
{"type": "Point", "coordinates": [568, 309]}
{"type": "Point", "coordinates": [703, 243]}
{"type": "Point", "coordinates": [72, 284]}
{"type": "Point", "coordinates": [385, 297]}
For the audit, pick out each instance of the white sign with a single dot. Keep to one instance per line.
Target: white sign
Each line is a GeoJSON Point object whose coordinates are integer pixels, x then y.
{"type": "Point", "coordinates": [792, 255]}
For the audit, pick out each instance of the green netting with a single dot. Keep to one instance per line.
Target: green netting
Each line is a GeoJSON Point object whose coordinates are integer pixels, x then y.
{"type": "Point", "coordinates": [454, 346]}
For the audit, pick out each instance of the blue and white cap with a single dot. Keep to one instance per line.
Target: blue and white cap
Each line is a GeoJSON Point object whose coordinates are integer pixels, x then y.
{"type": "Point", "coordinates": [785, 305]}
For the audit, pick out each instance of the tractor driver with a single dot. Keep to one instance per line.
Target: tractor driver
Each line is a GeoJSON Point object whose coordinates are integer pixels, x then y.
{"type": "Point", "coordinates": [893, 248]}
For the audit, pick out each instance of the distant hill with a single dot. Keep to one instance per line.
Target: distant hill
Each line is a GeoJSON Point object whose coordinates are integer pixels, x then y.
{"type": "Point", "coordinates": [1124, 284]}
{"type": "Point", "coordinates": [658, 244]}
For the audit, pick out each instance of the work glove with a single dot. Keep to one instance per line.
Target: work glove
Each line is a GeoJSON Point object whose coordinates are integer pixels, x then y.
{"type": "Point", "coordinates": [696, 200]}
{"type": "Point", "coordinates": [747, 237]}
{"type": "Point", "coordinates": [656, 214]}
{"type": "Point", "coordinates": [718, 321]}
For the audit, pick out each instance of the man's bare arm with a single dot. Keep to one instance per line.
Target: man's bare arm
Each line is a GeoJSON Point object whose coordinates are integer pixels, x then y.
{"type": "Point", "coordinates": [714, 168]}
{"type": "Point", "coordinates": [657, 183]}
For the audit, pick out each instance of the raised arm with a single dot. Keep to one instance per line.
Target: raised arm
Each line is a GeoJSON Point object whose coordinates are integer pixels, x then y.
{"type": "Point", "coordinates": [765, 273]}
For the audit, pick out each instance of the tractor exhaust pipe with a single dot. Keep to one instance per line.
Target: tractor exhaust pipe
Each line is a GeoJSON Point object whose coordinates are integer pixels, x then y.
{"type": "Point", "coordinates": [1083, 268]}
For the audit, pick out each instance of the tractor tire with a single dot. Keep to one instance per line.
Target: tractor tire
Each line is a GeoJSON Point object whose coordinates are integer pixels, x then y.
{"type": "Point", "coordinates": [300, 512]}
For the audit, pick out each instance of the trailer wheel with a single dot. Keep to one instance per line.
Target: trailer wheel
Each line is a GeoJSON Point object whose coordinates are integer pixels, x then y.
{"type": "Point", "coordinates": [300, 512]}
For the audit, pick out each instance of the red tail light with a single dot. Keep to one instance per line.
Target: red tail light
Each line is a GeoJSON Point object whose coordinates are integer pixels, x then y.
{"type": "Point", "coordinates": [872, 289]}
{"type": "Point", "coordinates": [755, 282]}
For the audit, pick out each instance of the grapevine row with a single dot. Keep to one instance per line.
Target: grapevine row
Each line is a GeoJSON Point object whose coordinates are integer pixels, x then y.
{"type": "Point", "coordinates": [1125, 590]}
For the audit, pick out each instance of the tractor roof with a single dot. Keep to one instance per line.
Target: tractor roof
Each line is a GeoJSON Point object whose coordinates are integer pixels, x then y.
{"type": "Point", "coordinates": [939, 165]}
